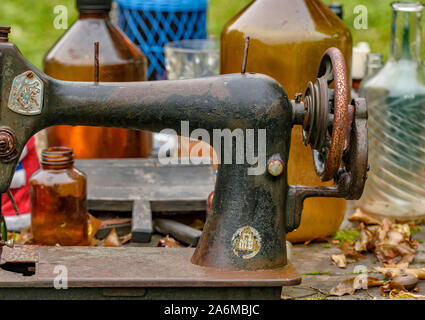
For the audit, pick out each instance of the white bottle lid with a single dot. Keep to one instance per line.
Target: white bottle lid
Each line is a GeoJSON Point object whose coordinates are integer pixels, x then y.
{"type": "Point", "coordinates": [360, 52]}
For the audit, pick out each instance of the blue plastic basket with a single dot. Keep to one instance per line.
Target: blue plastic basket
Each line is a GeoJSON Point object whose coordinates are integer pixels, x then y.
{"type": "Point", "coordinates": [153, 23]}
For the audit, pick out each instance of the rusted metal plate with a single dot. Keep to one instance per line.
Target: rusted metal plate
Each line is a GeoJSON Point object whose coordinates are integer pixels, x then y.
{"type": "Point", "coordinates": [148, 267]}
{"type": "Point", "coordinates": [20, 254]}
{"type": "Point", "coordinates": [135, 267]}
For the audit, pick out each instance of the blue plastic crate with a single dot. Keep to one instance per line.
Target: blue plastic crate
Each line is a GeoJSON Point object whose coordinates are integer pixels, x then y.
{"type": "Point", "coordinates": [153, 23]}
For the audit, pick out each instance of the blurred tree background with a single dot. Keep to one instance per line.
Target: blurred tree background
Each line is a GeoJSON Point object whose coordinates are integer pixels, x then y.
{"type": "Point", "coordinates": [34, 34]}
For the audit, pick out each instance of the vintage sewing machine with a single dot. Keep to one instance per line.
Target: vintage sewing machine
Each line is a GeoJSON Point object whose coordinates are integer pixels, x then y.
{"type": "Point", "coordinates": [243, 245]}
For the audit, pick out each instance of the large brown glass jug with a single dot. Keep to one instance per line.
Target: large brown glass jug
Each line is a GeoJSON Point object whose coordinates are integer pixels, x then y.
{"type": "Point", "coordinates": [288, 39]}
{"type": "Point", "coordinates": [72, 58]}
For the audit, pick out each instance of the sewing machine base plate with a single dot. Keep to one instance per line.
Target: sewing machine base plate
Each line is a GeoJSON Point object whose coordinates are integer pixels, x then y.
{"type": "Point", "coordinates": [132, 272]}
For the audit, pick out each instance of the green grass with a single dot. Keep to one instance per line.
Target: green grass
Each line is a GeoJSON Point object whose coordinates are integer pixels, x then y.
{"type": "Point", "coordinates": [32, 25]}
{"type": "Point", "coordinates": [34, 34]}
{"type": "Point", "coordinates": [346, 235]}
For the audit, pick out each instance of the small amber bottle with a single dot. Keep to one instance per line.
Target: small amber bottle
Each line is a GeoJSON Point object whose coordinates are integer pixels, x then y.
{"type": "Point", "coordinates": [58, 194]}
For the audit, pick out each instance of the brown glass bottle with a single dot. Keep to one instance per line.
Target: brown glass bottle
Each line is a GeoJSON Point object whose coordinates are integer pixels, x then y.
{"type": "Point", "coordinates": [58, 193]}
{"type": "Point", "coordinates": [288, 39]}
{"type": "Point", "coordinates": [72, 58]}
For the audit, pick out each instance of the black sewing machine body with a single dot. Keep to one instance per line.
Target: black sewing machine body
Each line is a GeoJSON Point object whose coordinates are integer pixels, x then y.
{"type": "Point", "coordinates": [251, 213]}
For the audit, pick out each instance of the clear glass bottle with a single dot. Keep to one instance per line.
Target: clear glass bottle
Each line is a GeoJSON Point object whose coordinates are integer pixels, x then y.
{"type": "Point", "coordinates": [373, 65]}
{"type": "Point", "coordinates": [72, 59]}
{"type": "Point", "coordinates": [288, 39]}
{"type": "Point", "coordinates": [396, 107]}
{"type": "Point", "coordinates": [58, 194]}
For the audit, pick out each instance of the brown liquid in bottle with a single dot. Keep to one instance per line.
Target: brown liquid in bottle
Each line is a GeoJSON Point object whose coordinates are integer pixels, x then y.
{"type": "Point", "coordinates": [288, 39]}
{"type": "Point", "coordinates": [58, 193]}
{"type": "Point", "coordinates": [72, 59]}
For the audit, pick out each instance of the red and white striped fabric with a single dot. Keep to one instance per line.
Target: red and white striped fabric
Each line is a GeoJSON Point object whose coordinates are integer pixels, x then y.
{"type": "Point", "coordinates": [28, 164]}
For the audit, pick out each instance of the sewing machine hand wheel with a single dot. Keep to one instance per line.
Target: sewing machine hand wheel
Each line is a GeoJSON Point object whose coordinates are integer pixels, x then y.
{"type": "Point", "coordinates": [326, 124]}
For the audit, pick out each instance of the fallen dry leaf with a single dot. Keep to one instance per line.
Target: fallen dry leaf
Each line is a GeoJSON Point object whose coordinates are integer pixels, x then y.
{"type": "Point", "coordinates": [349, 251]}
{"type": "Point", "coordinates": [398, 255]}
{"type": "Point", "coordinates": [126, 238]}
{"type": "Point", "coordinates": [394, 272]}
{"type": "Point", "coordinates": [25, 236]}
{"type": "Point", "coordinates": [390, 243]}
{"type": "Point", "coordinates": [343, 288]}
{"type": "Point", "coordinates": [112, 240]}
{"type": "Point", "coordinates": [349, 286]}
{"type": "Point", "coordinates": [93, 225]}
{"type": "Point", "coordinates": [115, 221]}
{"type": "Point", "coordinates": [339, 260]}
{"type": "Point", "coordinates": [391, 286]}
{"type": "Point", "coordinates": [317, 239]}
{"type": "Point", "coordinates": [400, 294]}
{"type": "Point", "coordinates": [360, 216]}
{"type": "Point", "coordinates": [168, 242]}
{"type": "Point", "coordinates": [364, 244]}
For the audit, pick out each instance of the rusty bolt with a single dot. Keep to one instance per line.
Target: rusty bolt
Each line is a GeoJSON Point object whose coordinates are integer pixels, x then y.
{"type": "Point", "coordinates": [7, 142]}
{"type": "Point", "coordinates": [275, 167]}
{"type": "Point", "coordinates": [29, 74]}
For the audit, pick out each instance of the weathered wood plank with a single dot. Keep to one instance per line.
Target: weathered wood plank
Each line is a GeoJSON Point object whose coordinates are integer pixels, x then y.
{"type": "Point", "coordinates": [143, 186]}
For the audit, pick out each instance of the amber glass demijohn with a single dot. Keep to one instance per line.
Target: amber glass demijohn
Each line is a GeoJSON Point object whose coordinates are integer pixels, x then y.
{"type": "Point", "coordinates": [58, 193]}
{"type": "Point", "coordinates": [72, 59]}
{"type": "Point", "coordinates": [288, 39]}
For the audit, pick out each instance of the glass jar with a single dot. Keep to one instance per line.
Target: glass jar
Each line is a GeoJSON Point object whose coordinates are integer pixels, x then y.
{"type": "Point", "coordinates": [288, 39]}
{"type": "Point", "coordinates": [58, 193]}
{"type": "Point", "coordinates": [72, 59]}
{"type": "Point", "coordinates": [396, 107]}
{"type": "Point", "coordinates": [373, 65]}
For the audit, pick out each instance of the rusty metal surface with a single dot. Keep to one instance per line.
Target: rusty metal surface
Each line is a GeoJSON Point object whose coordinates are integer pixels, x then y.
{"type": "Point", "coordinates": [334, 59]}
{"type": "Point", "coordinates": [138, 267]}
{"type": "Point", "coordinates": [347, 153]}
{"type": "Point", "coordinates": [20, 254]}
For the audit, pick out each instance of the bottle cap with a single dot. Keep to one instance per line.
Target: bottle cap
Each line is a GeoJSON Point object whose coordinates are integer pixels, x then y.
{"type": "Point", "coordinates": [94, 4]}
{"type": "Point", "coordinates": [360, 53]}
{"type": "Point", "coordinates": [336, 8]}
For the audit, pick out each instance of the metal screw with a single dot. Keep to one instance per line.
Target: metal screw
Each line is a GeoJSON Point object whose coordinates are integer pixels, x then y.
{"type": "Point", "coordinates": [29, 74]}
{"type": "Point", "coordinates": [245, 55]}
{"type": "Point", "coordinates": [7, 142]}
{"type": "Point", "coordinates": [275, 167]}
{"type": "Point", "coordinates": [96, 62]}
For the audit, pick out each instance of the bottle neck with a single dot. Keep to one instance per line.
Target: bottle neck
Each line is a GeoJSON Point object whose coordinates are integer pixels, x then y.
{"type": "Point", "coordinates": [374, 63]}
{"type": "Point", "coordinates": [57, 158]}
{"type": "Point", "coordinates": [406, 37]}
{"type": "Point", "coordinates": [94, 14]}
